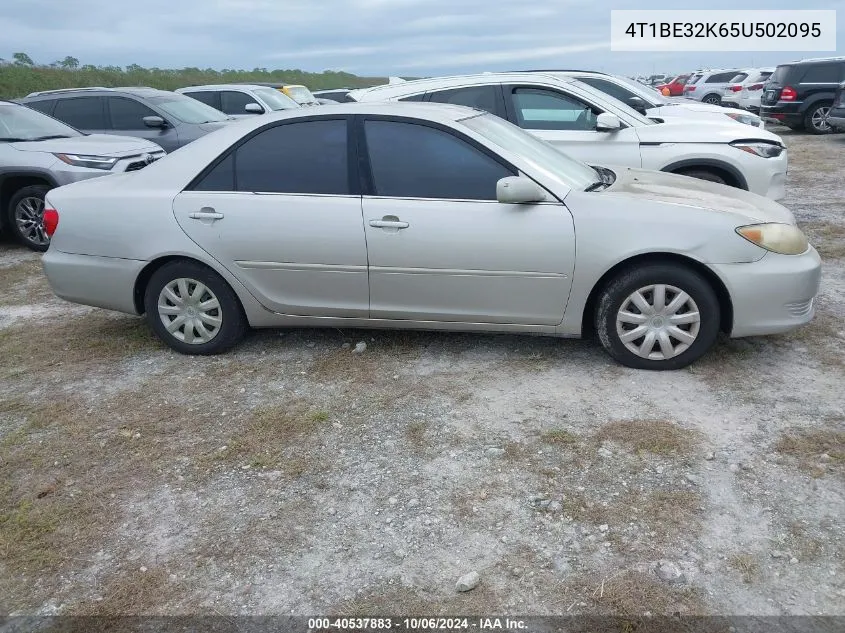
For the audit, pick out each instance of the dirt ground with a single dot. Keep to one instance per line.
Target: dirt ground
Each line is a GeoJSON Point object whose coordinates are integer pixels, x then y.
{"type": "Point", "coordinates": [293, 476]}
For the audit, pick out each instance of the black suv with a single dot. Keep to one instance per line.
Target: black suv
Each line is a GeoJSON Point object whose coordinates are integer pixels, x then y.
{"type": "Point", "coordinates": [800, 94]}
{"type": "Point", "coordinates": [837, 112]}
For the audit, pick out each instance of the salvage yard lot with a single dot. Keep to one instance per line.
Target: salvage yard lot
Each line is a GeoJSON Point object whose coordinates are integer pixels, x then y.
{"type": "Point", "coordinates": [294, 476]}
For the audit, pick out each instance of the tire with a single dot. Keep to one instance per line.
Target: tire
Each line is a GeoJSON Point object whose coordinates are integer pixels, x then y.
{"type": "Point", "coordinates": [815, 119]}
{"type": "Point", "coordinates": [26, 217]}
{"type": "Point", "coordinates": [704, 174]}
{"type": "Point", "coordinates": [612, 322]}
{"type": "Point", "coordinates": [712, 99]}
{"type": "Point", "coordinates": [217, 331]}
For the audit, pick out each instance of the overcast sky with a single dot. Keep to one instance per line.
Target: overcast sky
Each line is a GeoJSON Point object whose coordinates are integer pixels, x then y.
{"type": "Point", "coordinates": [366, 37]}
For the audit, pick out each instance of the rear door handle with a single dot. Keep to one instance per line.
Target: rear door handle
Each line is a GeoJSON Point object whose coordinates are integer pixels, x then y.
{"type": "Point", "coordinates": [389, 222]}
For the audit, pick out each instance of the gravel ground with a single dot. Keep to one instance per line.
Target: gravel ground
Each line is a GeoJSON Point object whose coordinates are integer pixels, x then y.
{"type": "Point", "coordinates": [294, 476]}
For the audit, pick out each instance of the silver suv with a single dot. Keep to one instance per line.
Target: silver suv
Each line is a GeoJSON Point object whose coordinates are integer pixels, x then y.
{"type": "Point", "coordinates": [163, 117]}
{"type": "Point", "coordinates": [38, 153]}
{"type": "Point", "coordinates": [708, 86]}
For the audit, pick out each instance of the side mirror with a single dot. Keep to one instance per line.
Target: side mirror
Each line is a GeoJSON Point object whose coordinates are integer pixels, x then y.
{"type": "Point", "coordinates": [607, 122]}
{"type": "Point", "coordinates": [519, 190]}
{"type": "Point", "coordinates": [638, 104]}
{"type": "Point", "coordinates": [253, 108]}
{"type": "Point", "coordinates": [154, 121]}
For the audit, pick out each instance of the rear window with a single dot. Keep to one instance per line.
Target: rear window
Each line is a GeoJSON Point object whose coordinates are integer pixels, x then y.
{"type": "Point", "coordinates": [779, 76]}
{"type": "Point", "coordinates": [738, 79]}
{"type": "Point", "coordinates": [761, 76]}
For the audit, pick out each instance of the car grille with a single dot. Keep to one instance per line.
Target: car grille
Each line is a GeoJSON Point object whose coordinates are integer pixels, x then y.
{"type": "Point", "coordinates": [799, 308]}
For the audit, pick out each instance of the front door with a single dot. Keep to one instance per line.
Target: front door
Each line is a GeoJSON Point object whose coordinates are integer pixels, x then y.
{"type": "Point", "coordinates": [279, 213]}
{"type": "Point", "coordinates": [441, 248]}
{"type": "Point", "coordinates": [569, 124]}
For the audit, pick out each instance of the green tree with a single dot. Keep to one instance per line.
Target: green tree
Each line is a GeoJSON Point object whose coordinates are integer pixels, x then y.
{"type": "Point", "coordinates": [69, 62]}
{"type": "Point", "coordinates": [22, 59]}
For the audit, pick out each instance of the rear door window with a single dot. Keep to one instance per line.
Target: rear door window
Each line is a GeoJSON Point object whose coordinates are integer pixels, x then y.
{"type": "Point", "coordinates": [83, 113]}
{"type": "Point", "coordinates": [823, 74]}
{"type": "Point", "coordinates": [45, 106]}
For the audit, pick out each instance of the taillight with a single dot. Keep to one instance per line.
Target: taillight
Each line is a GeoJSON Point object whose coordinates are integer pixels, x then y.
{"type": "Point", "coordinates": [736, 88]}
{"type": "Point", "coordinates": [51, 221]}
{"type": "Point", "coordinates": [689, 88]}
{"type": "Point", "coordinates": [788, 94]}
{"type": "Point", "coordinates": [755, 87]}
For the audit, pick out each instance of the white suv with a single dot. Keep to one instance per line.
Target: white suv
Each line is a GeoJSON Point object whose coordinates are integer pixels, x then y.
{"type": "Point", "coordinates": [647, 100]}
{"type": "Point", "coordinates": [240, 100]}
{"type": "Point", "coordinates": [600, 130]}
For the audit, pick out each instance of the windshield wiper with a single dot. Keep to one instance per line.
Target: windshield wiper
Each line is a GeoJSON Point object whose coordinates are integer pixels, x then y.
{"type": "Point", "coordinates": [50, 137]}
{"type": "Point", "coordinates": [12, 139]}
{"type": "Point", "coordinates": [596, 185]}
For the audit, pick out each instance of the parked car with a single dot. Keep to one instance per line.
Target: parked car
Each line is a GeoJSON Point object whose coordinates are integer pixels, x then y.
{"type": "Point", "coordinates": [656, 263]}
{"type": "Point", "coordinates": [239, 100]}
{"type": "Point", "coordinates": [837, 111]}
{"type": "Point", "coordinates": [799, 94]}
{"type": "Point", "coordinates": [675, 86]}
{"type": "Point", "coordinates": [650, 102]}
{"type": "Point", "coordinates": [708, 86]}
{"type": "Point", "coordinates": [598, 129]}
{"type": "Point", "coordinates": [338, 95]}
{"type": "Point", "coordinates": [168, 119]}
{"type": "Point", "coordinates": [38, 153]}
{"type": "Point", "coordinates": [297, 92]}
{"type": "Point", "coordinates": [746, 88]}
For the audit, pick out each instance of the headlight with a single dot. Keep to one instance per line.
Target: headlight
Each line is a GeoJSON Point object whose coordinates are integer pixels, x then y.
{"type": "Point", "coordinates": [785, 239]}
{"type": "Point", "coordinates": [760, 148]}
{"type": "Point", "coordinates": [747, 119]}
{"type": "Point", "coordinates": [83, 160]}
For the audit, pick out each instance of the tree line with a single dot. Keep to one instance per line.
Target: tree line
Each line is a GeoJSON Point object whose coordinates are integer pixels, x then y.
{"type": "Point", "coordinates": [21, 75]}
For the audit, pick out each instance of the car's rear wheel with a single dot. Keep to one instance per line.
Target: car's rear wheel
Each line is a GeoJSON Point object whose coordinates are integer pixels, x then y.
{"type": "Point", "coordinates": [192, 309]}
{"type": "Point", "coordinates": [658, 316]}
{"type": "Point", "coordinates": [26, 217]}
{"type": "Point", "coordinates": [704, 174]}
{"type": "Point", "coordinates": [712, 99]}
{"type": "Point", "coordinates": [816, 119]}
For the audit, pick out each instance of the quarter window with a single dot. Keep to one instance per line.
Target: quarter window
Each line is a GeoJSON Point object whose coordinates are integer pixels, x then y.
{"type": "Point", "coordinates": [824, 74]}
{"type": "Point", "coordinates": [418, 161]}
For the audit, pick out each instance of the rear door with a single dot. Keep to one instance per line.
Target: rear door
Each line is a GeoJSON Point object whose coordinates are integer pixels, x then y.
{"type": "Point", "coordinates": [126, 116]}
{"type": "Point", "coordinates": [569, 123]}
{"type": "Point", "coordinates": [281, 210]}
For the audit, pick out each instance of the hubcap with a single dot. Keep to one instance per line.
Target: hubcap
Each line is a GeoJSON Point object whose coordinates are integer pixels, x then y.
{"type": "Point", "coordinates": [190, 311]}
{"type": "Point", "coordinates": [29, 218]}
{"type": "Point", "coordinates": [658, 322]}
{"type": "Point", "coordinates": [819, 119]}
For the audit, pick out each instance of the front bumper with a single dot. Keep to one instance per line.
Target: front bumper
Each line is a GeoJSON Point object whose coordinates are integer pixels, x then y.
{"type": "Point", "coordinates": [102, 282]}
{"type": "Point", "coordinates": [775, 294]}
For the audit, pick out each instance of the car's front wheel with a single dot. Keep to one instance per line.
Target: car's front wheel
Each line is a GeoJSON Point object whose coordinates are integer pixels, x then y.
{"type": "Point", "coordinates": [657, 316]}
{"type": "Point", "coordinates": [26, 217]}
{"type": "Point", "coordinates": [712, 99]}
{"type": "Point", "coordinates": [192, 309]}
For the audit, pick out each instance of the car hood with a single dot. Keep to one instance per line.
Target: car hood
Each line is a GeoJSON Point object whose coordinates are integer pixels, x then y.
{"type": "Point", "coordinates": [684, 191]}
{"type": "Point", "coordinates": [92, 145]}
{"type": "Point", "coordinates": [691, 107]}
{"type": "Point", "coordinates": [703, 131]}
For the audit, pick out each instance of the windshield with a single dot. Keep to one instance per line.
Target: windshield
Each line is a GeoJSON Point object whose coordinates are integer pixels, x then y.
{"type": "Point", "coordinates": [188, 110]}
{"type": "Point", "coordinates": [275, 99]}
{"type": "Point", "coordinates": [19, 123]}
{"type": "Point", "coordinates": [543, 156]}
{"type": "Point", "coordinates": [300, 94]}
{"type": "Point", "coordinates": [649, 94]}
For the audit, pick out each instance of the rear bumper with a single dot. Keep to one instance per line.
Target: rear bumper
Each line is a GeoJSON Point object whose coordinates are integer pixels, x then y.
{"type": "Point", "coordinates": [784, 113]}
{"type": "Point", "coordinates": [775, 294]}
{"type": "Point", "coordinates": [102, 282]}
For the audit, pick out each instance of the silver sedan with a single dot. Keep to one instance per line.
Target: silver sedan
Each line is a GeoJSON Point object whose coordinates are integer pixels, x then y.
{"type": "Point", "coordinates": [428, 216]}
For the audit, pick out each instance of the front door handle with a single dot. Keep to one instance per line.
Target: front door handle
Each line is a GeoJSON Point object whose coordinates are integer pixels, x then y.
{"type": "Point", "coordinates": [206, 213]}
{"type": "Point", "coordinates": [389, 222]}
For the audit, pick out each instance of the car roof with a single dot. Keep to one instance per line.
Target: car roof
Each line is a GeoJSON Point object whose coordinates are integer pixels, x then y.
{"type": "Point", "coordinates": [140, 91]}
{"type": "Point", "coordinates": [388, 91]}
{"type": "Point", "coordinates": [222, 87]}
